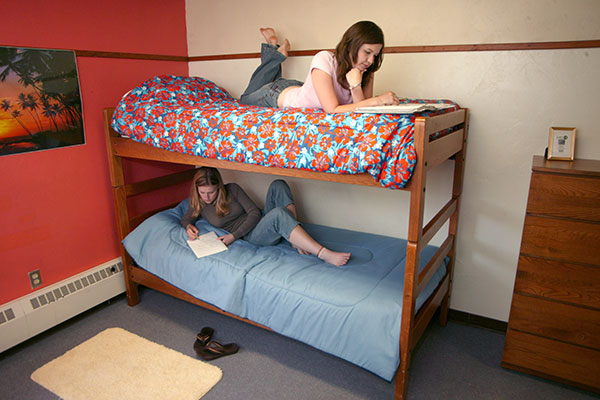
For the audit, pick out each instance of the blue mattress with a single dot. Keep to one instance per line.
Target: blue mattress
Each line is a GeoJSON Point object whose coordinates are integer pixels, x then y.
{"type": "Point", "coordinates": [353, 312]}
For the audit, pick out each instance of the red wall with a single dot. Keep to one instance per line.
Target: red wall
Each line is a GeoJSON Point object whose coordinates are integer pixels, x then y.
{"type": "Point", "coordinates": [56, 206]}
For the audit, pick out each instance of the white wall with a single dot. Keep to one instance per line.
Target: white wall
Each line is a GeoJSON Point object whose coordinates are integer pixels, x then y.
{"type": "Point", "coordinates": [514, 98]}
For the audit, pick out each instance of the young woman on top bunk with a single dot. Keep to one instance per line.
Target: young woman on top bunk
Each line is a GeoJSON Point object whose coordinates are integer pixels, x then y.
{"type": "Point", "coordinates": [229, 207]}
{"type": "Point", "coordinates": [337, 82]}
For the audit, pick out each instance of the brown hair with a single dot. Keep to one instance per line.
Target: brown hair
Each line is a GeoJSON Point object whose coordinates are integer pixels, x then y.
{"type": "Point", "coordinates": [208, 176]}
{"type": "Point", "coordinates": [362, 32]}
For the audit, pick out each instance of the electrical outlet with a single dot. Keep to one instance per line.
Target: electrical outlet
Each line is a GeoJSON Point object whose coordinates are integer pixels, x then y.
{"type": "Point", "coordinates": [35, 278]}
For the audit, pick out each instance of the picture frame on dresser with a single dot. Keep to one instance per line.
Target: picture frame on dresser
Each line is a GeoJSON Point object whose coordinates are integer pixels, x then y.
{"type": "Point", "coordinates": [561, 143]}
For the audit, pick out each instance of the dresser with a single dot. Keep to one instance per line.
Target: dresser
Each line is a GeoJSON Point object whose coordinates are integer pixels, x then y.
{"type": "Point", "coordinates": [554, 324]}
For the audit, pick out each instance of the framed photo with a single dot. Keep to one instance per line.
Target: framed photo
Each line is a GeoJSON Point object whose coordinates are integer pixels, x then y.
{"type": "Point", "coordinates": [561, 144]}
{"type": "Point", "coordinates": [40, 101]}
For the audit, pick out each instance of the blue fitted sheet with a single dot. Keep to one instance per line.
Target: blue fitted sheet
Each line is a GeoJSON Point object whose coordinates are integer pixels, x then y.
{"type": "Point", "coordinates": [353, 312]}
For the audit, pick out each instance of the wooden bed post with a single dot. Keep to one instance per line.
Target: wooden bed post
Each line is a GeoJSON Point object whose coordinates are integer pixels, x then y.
{"type": "Point", "coordinates": [459, 169]}
{"type": "Point", "coordinates": [413, 250]}
{"type": "Point", "coordinates": [117, 180]}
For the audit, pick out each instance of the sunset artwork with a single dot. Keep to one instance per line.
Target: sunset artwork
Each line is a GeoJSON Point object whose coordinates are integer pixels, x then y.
{"type": "Point", "coordinates": [40, 101]}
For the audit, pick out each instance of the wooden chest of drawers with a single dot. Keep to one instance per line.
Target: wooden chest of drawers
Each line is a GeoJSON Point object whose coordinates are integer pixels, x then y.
{"type": "Point", "coordinates": [554, 324]}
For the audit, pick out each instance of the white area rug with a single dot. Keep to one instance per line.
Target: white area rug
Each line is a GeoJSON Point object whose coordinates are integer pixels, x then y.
{"type": "Point", "coordinates": [117, 364]}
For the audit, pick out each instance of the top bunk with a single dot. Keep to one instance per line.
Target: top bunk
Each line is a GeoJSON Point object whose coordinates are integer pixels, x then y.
{"type": "Point", "coordinates": [190, 120]}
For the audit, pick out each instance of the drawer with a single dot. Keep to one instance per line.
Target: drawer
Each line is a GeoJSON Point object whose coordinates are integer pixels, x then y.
{"type": "Point", "coordinates": [564, 196]}
{"type": "Point", "coordinates": [560, 239]}
{"type": "Point", "coordinates": [564, 322]}
{"type": "Point", "coordinates": [570, 283]}
{"type": "Point", "coordinates": [552, 359]}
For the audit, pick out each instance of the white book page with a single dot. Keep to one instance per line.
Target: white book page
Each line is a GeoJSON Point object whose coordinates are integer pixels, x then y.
{"type": "Point", "coordinates": [206, 245]}
{"type": "Point", "coordinates": [406, 108]}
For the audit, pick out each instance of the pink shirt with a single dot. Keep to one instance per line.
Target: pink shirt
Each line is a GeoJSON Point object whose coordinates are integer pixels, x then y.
{"type": "Point", "coordinates": [306, 96]}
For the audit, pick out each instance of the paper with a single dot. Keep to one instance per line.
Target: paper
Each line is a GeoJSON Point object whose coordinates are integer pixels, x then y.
{"type": "Point", "coordinates": [206, 244]}
{"type": "Point", "coordinates": [405, 108]}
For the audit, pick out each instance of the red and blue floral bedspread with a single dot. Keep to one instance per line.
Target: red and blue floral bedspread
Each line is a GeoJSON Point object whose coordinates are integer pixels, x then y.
{"type": "Point", "coordinates": [194, 116]}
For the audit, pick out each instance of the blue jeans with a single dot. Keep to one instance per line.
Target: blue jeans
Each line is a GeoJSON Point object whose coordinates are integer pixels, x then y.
{"type": "Point", "coordinates": [277, 220]}
{"type": "Point", "coordinates": [266, 83]}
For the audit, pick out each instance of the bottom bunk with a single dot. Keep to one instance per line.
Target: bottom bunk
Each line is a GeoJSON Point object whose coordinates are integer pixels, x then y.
{"type": "Point", "coordinates": [353, 312]}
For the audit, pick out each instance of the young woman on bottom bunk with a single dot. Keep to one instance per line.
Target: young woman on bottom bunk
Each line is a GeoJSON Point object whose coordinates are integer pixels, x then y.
{"type": "Point", "coordinates": [337, 82]}
{"type": "Point", "coordinates": [229, 207]}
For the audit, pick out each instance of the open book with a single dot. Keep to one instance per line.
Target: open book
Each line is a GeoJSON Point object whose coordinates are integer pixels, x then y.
{"type": "Point", "coordinates": [405, 108]}
{"type": "Point", "coordinates": [206, 244]}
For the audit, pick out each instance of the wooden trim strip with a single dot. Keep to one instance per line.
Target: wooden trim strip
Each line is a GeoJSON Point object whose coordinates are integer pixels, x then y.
{"type": "Point", "coordinates": [444, 48]}
{"type": "Point", "coordinates": [449, 48]}
{"type": "Point", "coordinates": [134, 56]}
{"type": "Point", "coordinates": [219, 57]}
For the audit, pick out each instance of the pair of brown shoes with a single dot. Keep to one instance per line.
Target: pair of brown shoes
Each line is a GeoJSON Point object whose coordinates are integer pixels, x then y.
{"type": "Point", "coordinates": [210, 349]}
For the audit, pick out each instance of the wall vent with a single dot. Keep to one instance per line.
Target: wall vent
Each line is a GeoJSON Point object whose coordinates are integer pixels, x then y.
{"type": "Point", "coordinates": [36, 312]}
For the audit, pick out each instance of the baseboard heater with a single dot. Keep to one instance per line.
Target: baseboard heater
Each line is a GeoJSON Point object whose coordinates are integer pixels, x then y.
{"type": "Point", "coordinates": [36, 312]}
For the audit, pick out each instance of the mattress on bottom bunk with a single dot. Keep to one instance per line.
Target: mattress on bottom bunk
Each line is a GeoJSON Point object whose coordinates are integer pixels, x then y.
{"type": "Point", "coordinates": [353, 312]}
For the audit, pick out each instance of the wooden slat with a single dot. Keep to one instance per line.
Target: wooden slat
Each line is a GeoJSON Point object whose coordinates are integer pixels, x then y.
{"type": "Point", "coordinates": [129, 148]}
{"type": "Point", "coordinates": [433, 264]}
{"type": "Point", "coordinates": [548, 238]}
{"type": "Point", "coordinates": [554, 320]}
{"type": "Point", "coordinates": [565, 282]}
{"type": "Point", "coordinates": [565, 196]}
{"type": "Point", "coordinates": [552, 359]}
{"type": "Point", "coordinates": [428, 310]}
{"type": "Point", "coordinates": [138, 219]}
{"type": "Point", "coordinates": [152, 184]}
{"type": "Point", "coordinates": [430, 230]}
{"type": "Point", "coordinates": [443, 121]}
{"type": "Point", "coordinates": [443, 148]}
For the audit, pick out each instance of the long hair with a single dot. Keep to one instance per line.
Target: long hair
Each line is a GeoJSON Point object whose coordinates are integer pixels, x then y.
{"type": "Point", "coordinates": [346, 52]}
{"type": "Point", "coordinates": [207, 176]}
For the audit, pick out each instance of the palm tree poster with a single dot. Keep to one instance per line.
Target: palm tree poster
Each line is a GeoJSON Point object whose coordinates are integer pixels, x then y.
{"type": "Point", "coordinates": [40, 101]}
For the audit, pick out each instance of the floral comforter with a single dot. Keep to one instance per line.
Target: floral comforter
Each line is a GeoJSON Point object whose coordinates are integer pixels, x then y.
{"type": "Point", "coordinates": [194, 116]}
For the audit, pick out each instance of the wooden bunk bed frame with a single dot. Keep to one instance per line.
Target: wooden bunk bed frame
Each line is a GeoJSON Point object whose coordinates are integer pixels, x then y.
{"type": "Point", "coordinates": [429, 155]}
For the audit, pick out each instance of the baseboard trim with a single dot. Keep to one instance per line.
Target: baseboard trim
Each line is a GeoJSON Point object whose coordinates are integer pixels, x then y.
{"type": "Point", "coordinates": [477, 320]}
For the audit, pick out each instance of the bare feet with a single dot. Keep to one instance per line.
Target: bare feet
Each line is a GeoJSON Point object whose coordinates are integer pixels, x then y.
{"type": "Point", "coordinates": [271, 38]}
{"type": "Point", "coordinates": [333, 257]}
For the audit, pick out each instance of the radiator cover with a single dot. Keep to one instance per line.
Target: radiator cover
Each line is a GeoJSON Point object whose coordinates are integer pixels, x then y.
{"type": "Point", "coordinates": [38, 311]}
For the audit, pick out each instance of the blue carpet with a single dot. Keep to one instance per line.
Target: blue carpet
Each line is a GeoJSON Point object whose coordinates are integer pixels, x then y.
{"type": "Point", "coordinates": [454, 362]}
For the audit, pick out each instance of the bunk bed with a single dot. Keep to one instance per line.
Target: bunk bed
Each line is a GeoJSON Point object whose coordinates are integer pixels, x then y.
{"type": "Point", "coordinates": [421, 264]}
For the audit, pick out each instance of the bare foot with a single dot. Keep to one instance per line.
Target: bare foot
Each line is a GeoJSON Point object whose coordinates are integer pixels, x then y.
{"type": "Point", "coordinates": [333, 257]}
{"type": "Point", "coordinates": [284, 48]}
{"type": "Point", "coordinates": [269, 35]}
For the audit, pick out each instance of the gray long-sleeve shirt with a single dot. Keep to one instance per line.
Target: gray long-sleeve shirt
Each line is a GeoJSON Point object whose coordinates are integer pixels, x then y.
{"type": "Point", "coordinates": [242, 218]}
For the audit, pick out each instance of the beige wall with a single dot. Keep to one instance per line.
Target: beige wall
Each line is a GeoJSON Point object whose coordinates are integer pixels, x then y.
{"type": "Point", "coordinates": [514, 98]}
